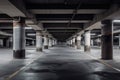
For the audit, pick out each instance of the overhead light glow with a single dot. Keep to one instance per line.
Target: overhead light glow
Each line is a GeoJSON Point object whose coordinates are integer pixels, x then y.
{"type": "Point", "coordinates": [31, 34]}
{"type": "Point", "coordinates": [116, 21]}
{"type": "Point", "coordinates": [28, 27]}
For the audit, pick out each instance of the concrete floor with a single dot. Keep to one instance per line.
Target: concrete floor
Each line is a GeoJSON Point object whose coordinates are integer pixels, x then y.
{"type": "Point", "coordinates": [59, 63]}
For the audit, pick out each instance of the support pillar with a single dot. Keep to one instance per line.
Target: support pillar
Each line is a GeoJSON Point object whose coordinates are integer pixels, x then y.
{"type": "Point", "coordinates": [46, 41]}
{"type": "Point", "coordinates": [119, 41]}
{"type": "Point", "coordinates": [73, 42]}
{"type": "Point", "coordinates": [39, 43]}
{"type": "Point", "coordinates": [107, 39]}
{"type": "Point", "coordinates": [50, 42]}
{"type": "Point", "coordinates": [92, 42]}
{"type": "Point", "coordinates": [87, 41]}
{"type": "Point", "coordinates": [19, 37]}
{"type": "Point", "coordinates": [79, 42]}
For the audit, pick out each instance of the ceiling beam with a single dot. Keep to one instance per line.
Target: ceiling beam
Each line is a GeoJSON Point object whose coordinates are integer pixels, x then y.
{"type": "Point", "coordinates": [5, 34]}
{"type": "Point", "coordinates": [63, 6]}
{"type": "Point", "coordinates": [68, 11]}
{"type": "Point", "coordinates": [12, 10]}
{"type": "Point", "coordinates": [112, 13]}
{"type": "Point", "coordinates": [63, 28]}
{"type": "Point", "coordinates": [64, 17]}
{"type": "Point", "coordinates": [64, 21]}
{"type": "Point", "coordinates": [80, 25]}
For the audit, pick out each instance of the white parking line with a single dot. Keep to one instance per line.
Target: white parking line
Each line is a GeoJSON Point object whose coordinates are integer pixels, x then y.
{"type": "Point", "coordinates": [16, 72]}
{"type": "Point", "coordinates": [101, 61]}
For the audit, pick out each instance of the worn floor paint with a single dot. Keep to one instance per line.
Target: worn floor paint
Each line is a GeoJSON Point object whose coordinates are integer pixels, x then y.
{"type": "Point", "coordinates": [64, 63]}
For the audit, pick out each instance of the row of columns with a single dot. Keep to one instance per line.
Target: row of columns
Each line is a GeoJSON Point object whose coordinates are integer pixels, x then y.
{"type": "Point", "coordinates": [19, 39]}
{"type": "Point", "coordinates": [106, 40]}
{"type": "Point", "coordinates": [42, 40]}
{"type": "Point", "coordinates": [76, 41]}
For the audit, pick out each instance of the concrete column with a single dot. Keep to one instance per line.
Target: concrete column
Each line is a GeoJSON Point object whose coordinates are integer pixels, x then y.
{"type": "Point", "coordinates": [46, 41]}
{"type": "Point", "coordinates": [78, 41]}
{"type": "Point", "coordinates": [87, 41]}
{"type": "Point", "coordinates": [73, 42]}
{"type": "Point", "coordinates": [55, 42]}
{"type": "Point", "coordinates": [92, 42]}
{"type": "Point", "coordinates": [119, 41]}
{"type": "Point", "coordinates": [68, 42]}
{"type": "Point", "coordinates": [10, 42]}
{"type": "Point", "coordinates": [19, 37]}
{"type": "Point", "coordinates": [50, 42]}
{"type": "Point", "coordinates": [39, 43]}
{"type": "Point", "coordinates": [107, 39]}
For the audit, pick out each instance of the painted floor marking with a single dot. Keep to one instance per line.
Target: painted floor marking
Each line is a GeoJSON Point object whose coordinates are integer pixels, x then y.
{"type": "Point", "coordinates": [101, 61]}
{"type": "Point", "coordinates": [16, 72]}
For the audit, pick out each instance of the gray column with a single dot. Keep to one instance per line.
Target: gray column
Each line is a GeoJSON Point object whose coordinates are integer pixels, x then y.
{"type": "Point", "coordinates": [50, 42]}
{"type": "Point", "coordinates": [119, 41]}
{"type": "Point", "coordinates": [78, 41]}
{"type": "Point", "coordinates": [73, 42]}
{"type": "Point", "coordinates": [19, 37]}
{"type": "Point", "coordinates": [46, 41]}
{"type": "Point", "coordinates": [87, 41]}
{"type": "Point", "coordinates": [55, 42]}
{"type": "Point", "coordinates": [92, 42]}
{"type": "Point", "coordinates": [107, 39]}
{"type": "Point", "coordinates": [39, 43]}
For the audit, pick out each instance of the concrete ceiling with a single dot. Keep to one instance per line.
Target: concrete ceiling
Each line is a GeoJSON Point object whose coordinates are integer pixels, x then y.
{"type": "Point", "coordinates": [61, 18]}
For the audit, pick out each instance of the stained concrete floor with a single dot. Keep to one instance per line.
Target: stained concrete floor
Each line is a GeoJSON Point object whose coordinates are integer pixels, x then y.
{"type": "Point", "coordinates": [59, 63]}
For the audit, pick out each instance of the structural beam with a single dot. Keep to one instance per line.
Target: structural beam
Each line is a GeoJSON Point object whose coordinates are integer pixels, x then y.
{"type": "Point", "coordinates": [68, 11]}
{"type": "Point", "coordinates": [112, 13]}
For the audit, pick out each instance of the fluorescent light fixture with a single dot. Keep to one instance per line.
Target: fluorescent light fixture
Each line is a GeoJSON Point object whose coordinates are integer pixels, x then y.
{"type": "Point", "coordinates": [116, 21]}
{"type": "Point", "coordinates": [116, 36]}
{"type": "Point", "coordinates": [99, 35]}
{"type": "Point", "coordinates": [31, 34]}
{"type": "Point", "coordinates": [28, 27]}
{"type": "Point", "coordinates": [93, 34]}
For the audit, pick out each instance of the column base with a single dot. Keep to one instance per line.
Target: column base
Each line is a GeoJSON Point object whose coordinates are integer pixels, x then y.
{"type": "Point", "coordinates": [119, 47]}
{"type": "Point", "coordinates": [87, 48]}
{"type": "Point", "coordinates": [73, 45]}
{"type": "Point", "coordinates": [78, 47]}
{"type": "Point", "coordinates": [19, 54]}
{"type": "Point", "coordinates": [107, 58]}
{"type": "Point", "coordinates": [45, 47]}
{"type": "Point", "coordinates": [39, 49]}
{"type": "Point", "coordinates": [51, 45]}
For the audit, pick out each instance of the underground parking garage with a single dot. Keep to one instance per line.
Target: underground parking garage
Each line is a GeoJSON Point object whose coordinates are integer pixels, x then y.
{"type": "Point", "coordinates": [59, 40]}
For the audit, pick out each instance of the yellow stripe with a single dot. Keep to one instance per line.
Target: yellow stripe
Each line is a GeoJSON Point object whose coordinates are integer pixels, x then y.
{"type": "Point", "coordinates": [16, 72]}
